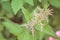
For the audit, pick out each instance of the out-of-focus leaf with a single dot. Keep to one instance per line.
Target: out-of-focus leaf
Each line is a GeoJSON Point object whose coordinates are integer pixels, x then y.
{"type": "Point", "coordinates": [27, 15]}
{"type": "Point", "coordinates": [33, 37]}
{"type": "Point", "coordinates": [1, 37]}
{"type": "Point", "coordinates": [45, 4]}
{"type": "Point", "coordinates": [29, 2]}
{"type": "Point", "coordinates": [24, 36]}
{"type": "Point", "coordinates": [6, 6]}
{"type": "Point", "coordinates": [47, 37]}
{"type": "Point", "coordinates": [16, 5]}
{"type": "Point", "coordinates": [41, 35]}
{"type": "Point", "coordinates": [55, 3]}
{"type": "Point", "coordinates": [48, 30]}
{"type": "Point", "coordinates": [13, 28]}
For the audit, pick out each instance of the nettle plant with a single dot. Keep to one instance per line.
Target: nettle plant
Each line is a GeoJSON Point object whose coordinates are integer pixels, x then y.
{"type": "Point", "coordinates": [29, 20]}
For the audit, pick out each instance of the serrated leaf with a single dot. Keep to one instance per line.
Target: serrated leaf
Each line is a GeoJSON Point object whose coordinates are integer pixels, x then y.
{"type": "Point", "coordinates": [13, 28]}
{"type": "Point", "coordinates": [55, 3]}
{"type": "Point", "coordinates": [27, 15]}
{"type": "Point", "coordinates": [29, 2]}
{"type": "Point", "coordinates": [16, 5]}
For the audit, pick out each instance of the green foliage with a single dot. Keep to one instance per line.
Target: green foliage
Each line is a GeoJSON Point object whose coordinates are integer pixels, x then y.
{"type": "Point", "coordinates": [13, 28]}
{"type": "Point", "coordinates": [24, 36]}
{"type": "Point", "coordinates": [1, 37]}
{"type": "Point", "coordinates": [20, 19]}
{"type": "Point", "coordinates": [27, 15]}
{"type": "Point", "coordinates": [16, 5]}
{"type": "Point", "coordinates": [45, 4]}
{"type": "Point", "coordinates": [6, 6]}
{"type": "Point", "coordinates": [29, 2]}
{"type": "Point", "coordinates": [55, 3]}
{"type": "Point", "coordinates": [48, 30]}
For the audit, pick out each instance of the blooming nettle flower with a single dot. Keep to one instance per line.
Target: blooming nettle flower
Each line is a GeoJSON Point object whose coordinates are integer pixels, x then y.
{"type": "Point", "coordinates": [41, 16]}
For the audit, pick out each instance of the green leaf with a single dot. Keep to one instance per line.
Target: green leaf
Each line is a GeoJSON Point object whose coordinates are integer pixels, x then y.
{"type": "Point", "coordinates": [13, 28]}
{"type": "Point", "coordinates": [1, 37]}
{"type": "Point", "coordinates": [45, 4]}
{"type": "Point", "coordinates": [55, 3]}
{"type": "Point", "coordinates": [27, 15]}
{"type": "Point", "coordinates": [24, 36]}
{"type": "Point", "coordinates": [6, 6]}
{"type": "Point", "coordinates": [48, 30]}
{"type": "Point", "coordinates": [29, 2]}
{"type": "Point", "coordinates": [16, 5]}
{"type": "Point", "coordinates": [33, 37]}
{"type": "Point", "coordinates": [41, 35]}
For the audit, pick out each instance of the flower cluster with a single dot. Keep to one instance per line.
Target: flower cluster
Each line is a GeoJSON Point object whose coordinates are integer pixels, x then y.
{"type": "Point", "coordinates": [38, 18]}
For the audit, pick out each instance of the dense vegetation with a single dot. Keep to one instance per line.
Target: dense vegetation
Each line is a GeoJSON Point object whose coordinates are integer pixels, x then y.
{"type": "Point", "coordinates": [29, 19]}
